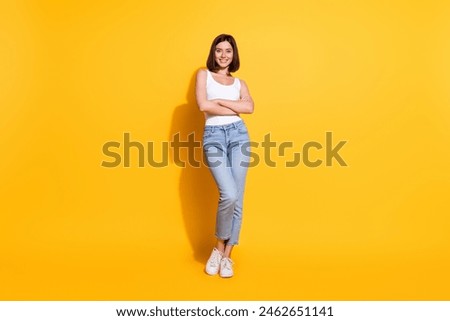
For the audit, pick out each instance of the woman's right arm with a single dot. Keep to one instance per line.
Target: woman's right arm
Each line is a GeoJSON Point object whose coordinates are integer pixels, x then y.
{"type": "Point", "coordinates": [208, 106]}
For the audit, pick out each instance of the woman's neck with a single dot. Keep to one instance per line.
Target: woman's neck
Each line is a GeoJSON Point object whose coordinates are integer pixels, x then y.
{"type": "Point", "coordinates": [223, 72]}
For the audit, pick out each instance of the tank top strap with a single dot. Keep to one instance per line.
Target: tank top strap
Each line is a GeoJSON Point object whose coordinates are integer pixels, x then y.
{"type": "Point", "coordinates": [238, 84]}
{"type": "Point", "coordinates": [208, 76]}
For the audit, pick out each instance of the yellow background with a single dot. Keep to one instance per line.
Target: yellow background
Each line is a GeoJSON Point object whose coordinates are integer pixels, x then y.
{"type": "Point", "coordinates": [77, 74]}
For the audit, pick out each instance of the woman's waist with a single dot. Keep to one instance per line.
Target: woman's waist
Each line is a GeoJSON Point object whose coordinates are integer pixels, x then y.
{"type": "Point", "coordinates": [214, 120]}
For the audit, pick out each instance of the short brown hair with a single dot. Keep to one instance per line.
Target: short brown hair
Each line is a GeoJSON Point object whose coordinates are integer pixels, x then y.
{"type": "Point", "coordinates": [211, 62]}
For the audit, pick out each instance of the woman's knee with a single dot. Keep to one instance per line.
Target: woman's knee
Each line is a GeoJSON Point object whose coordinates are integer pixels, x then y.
{"type": "Point", "coordinates": [229, 196]}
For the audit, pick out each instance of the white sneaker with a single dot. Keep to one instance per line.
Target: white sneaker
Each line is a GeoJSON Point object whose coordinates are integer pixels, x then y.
{"type": "Point", "coordinates": [213, 264]}
{"type": "Point", "coordinates": [226, 267]}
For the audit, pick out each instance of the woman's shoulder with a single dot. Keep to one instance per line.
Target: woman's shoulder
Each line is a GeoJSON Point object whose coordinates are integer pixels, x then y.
{"type": "Point", "coordinates": [241, 80]}
{"type": "Point", "coordinates": [201, 74]}
{"type": "Point", "coordinates": [202, 71]}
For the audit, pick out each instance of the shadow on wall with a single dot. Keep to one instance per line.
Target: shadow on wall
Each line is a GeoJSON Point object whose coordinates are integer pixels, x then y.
{"type": "Point", "coordinates": [198, 192]}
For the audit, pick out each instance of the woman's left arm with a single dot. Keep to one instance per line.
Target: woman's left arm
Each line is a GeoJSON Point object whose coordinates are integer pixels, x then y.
{"type": "Point", "coordinates": [242, 106]}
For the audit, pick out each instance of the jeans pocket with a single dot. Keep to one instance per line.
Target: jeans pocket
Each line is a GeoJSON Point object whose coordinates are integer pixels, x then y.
{"type": "Point", "coordinates": [207, 133]}
{"type": "Point", "coordinates": [242, 130]}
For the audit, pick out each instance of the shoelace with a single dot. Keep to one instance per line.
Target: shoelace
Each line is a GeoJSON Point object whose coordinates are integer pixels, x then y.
{"type": "Point", "coordinates": [215, 258]}
{"type": "Point", "coordinates": [227, 264]}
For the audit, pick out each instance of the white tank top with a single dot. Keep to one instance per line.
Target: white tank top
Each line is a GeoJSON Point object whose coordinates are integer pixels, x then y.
{"type": "Point", "coordinates": [215, 90]}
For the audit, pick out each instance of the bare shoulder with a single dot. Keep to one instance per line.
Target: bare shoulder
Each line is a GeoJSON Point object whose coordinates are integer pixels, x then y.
{"type": "Point", "coordinates": [201, 73]}
{"type": "Point", "coordinates": [243, 83]}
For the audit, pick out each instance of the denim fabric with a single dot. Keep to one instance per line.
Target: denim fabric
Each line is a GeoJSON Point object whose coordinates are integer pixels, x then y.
{"type": "Point", "coordinates": [227, 153]}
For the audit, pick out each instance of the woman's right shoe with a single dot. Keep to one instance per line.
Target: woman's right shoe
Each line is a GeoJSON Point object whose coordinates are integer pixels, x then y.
{"type": "Point", "coordinates": [213, 264]}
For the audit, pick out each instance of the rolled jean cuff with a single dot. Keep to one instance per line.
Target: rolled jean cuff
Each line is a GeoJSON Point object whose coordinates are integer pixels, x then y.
{"type": "Point", "coordinates": [223, 238]}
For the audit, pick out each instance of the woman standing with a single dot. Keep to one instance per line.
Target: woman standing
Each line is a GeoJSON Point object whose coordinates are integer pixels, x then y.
{"type": "Point", "coordinates": [222, 97]}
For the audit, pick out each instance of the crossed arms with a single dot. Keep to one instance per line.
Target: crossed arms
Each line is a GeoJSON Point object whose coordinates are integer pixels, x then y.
{"type": "Point", "coordinates": [222, 106]}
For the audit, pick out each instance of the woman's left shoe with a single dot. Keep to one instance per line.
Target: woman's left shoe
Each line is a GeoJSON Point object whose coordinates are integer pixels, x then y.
{"type": "Point", "coordinates": [213, 264]}
{"type": "Point", "coordinates": [226, 267]}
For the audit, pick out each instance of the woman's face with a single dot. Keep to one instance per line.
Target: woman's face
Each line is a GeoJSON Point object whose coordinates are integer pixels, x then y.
{"type": "Point", "coordinates": [224, 54]}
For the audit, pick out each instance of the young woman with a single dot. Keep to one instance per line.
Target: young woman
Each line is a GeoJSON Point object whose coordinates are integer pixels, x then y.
{"type": "Point", "coordinates": [222, 98]}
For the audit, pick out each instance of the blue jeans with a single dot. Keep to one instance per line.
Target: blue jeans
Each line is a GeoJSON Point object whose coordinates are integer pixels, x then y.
{"type": "Point", "coordinates": [227, 153]}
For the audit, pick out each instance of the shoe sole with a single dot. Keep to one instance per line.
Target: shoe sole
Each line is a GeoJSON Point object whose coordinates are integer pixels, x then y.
{"type": "Point", "coordinates": [210, 273]}
{"type": "Point", "coordinates": [226, 276]}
